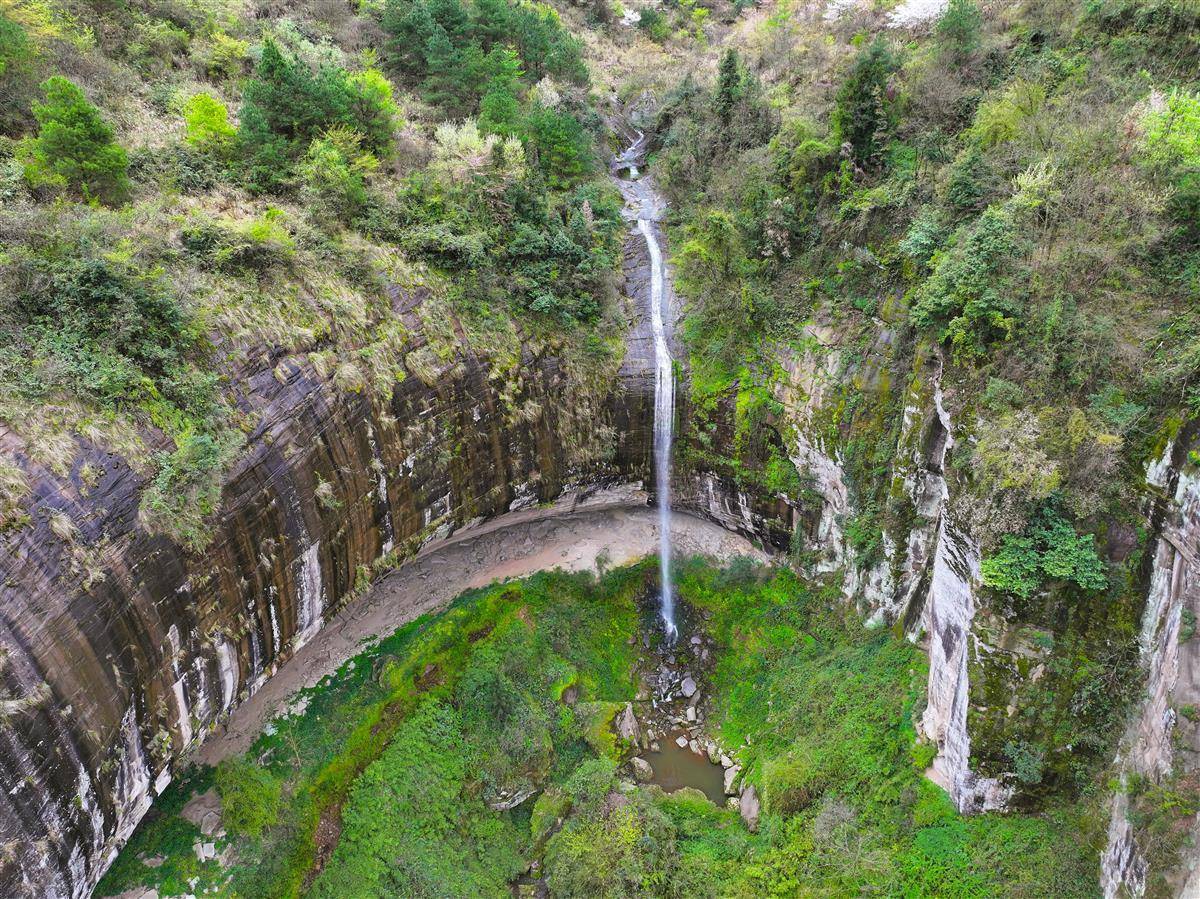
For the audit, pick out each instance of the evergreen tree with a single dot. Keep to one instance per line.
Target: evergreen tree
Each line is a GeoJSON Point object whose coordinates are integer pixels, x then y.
{"type": "Point", "coordinates": [959, 27]}
{"type": "Point", "coordinates": [448, 81]}
{"type": "Point", "coordinates": [286, 105]}
{"type": "Point", "coordinates": [500, 110]}
{"type": "Point", "coordinates": [74, 147]}
{"type": "Point", "coordinates": [862, 117]}
{"type": "Point", "coordinates": [729, 85]}
{"type": "Point", "coordinates": [559, 144]}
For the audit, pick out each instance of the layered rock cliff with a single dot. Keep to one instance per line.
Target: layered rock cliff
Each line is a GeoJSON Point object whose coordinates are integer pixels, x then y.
{"type": "Point", "coordinates": [113, 670]}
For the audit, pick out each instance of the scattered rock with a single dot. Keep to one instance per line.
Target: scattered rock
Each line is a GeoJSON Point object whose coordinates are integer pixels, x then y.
{"type": "Point", "coordinates": [642, 769]}
{"type": "Point", "coordinates": [655, 746]}
{"type": "Point", "coordinates": [733, 803]}
{"type": "Point", "coordinates": [696, 641]}
{"type": "Point", "coordinates": [688, 686]}
{"type": "Point", "coordinates": [681, 742]}
{"type": "Point", "coordinates": [726, 761]}
{"type": "Point", "coordinates": [714, 754]}
{"type": "Point", "coordinates": [750, 807]}
{"type": "Point", "coordinates": [691, 713]}
{"type": "Point", "coordinates": [694, 746]}
{"type": "Point", "coordinates": [731, 776]}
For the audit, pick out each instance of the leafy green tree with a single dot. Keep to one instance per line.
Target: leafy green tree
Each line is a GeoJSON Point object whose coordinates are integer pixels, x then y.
{"type": "Point", "coordinates": [1050, 550]}
{"type": "Point", "coordinates": [863, 116]}
{"type": "Point", "coordinates": [286, 105]}
{"type": "Point", "coordinates": [74, 147]}
{"type": "Point", "coordinates": [959, 28]}
{"type": "Point", "coordinates": [206, 123]}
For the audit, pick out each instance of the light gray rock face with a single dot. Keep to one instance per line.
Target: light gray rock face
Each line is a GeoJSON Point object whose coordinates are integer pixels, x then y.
{"type": "Point", "coordinates": [1172, 673]}
{"type": "Point", "coordinates": [731, 776]}
{"type": "Point", "coordinates": [688, 687]}
{"type": "Point", "coordinates": [948, 612]}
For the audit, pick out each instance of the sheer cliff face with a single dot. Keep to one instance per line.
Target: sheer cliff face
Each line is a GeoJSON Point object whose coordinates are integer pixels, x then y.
{"type": "Point", "coordinates": [1161, 744]}
{"type": "Point", "coordinates": [114, 667]}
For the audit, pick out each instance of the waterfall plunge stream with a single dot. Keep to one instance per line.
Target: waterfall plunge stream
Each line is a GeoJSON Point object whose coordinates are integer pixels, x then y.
{"type": "Point", "coordinates": [644, 203]}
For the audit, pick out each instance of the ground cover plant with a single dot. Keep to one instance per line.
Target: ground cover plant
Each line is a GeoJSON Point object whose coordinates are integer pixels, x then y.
{"type": "Point", "coordinates": [472, 743]}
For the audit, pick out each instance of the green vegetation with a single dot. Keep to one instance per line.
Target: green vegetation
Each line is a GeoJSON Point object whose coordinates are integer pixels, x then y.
{"type": "Point", "coordinates": [450, 756]}
{"type": "Point", "coordinates": [1005, 201]}
{"type": "Point", "coordinates": [1049, 550]}
{"type": "Point", "coordinates": [286, 106]}
{"type": "Point", "coordinates": [194, 194]}
{"type": "Point", "coordinates": [74, 148]}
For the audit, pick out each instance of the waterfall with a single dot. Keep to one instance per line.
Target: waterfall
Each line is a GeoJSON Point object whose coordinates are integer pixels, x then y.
{"type": "Point", "coordinates": [646, 206]}
{"type": "Point", "coordinates": [664, 423]}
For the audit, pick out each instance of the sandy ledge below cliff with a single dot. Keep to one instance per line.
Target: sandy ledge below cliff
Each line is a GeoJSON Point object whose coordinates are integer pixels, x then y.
{"type": "Point", "coordinates": [615, 528]}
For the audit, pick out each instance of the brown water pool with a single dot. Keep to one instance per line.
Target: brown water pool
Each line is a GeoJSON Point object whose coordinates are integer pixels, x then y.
{"type": "Point", "coordinates": [675, 768]}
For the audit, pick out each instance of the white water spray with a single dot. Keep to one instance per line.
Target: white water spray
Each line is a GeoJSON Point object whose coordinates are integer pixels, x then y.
{"type": "Point", "coordinates": [647, 204]}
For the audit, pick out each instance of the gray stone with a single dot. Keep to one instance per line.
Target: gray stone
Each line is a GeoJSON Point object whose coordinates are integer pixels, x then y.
{"type": "Point", "coordinates": [642, 769]}
{"type": "Point", "coordinates": [627, 725]}
{"type": "Point", "coordinates": [750, 807]}
{"type": "Point", "coordinates": [688, 686]}
{"type": "Point", "coordinates": [681, 742]}
{"type": "Point", "coordinates": [731, 776]}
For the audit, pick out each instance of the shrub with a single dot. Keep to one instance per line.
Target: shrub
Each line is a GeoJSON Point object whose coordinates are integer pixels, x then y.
{"type": "Point", "coordinates": [206, 122]}
{"type": "Point", "coordinates": [332, 176]}
{"type": "Point", "coordinates": [16, 63]}
{"type": "Point", "coordinates": [967, 295]}
{"type": "Point", "coordinates": [74, 148]}
{"type": "Point", "coordinates": [792, 782]}
{"type": "Point", "coordinates": [1049, 550]}
{"type": "Point", "coordinates": [96, 329]}
{"type": "Point", "coordinates": [250, 796]}
{"type": "Point", "coordinates": [259, 244]}
{"type": "Point", "coordinates": [654, 24]}
{"type": "Point", "coordinates": [958, 28]}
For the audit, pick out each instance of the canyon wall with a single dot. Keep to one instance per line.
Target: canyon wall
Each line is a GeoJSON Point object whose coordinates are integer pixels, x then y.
{"type": "Point", "coordinates": [120, 648]}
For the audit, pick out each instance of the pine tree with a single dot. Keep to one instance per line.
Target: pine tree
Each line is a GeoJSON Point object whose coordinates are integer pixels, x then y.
{"type": "Point", "coordinates": [500, 111]}
{"type": "Point", "coordinates": [729, 85]}
{"type": "Point", "coordinates": [74, 147]}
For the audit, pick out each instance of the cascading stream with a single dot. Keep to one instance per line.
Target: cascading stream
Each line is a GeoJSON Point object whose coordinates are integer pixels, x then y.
{"type": "Point", "coordinates": [645, 205]}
